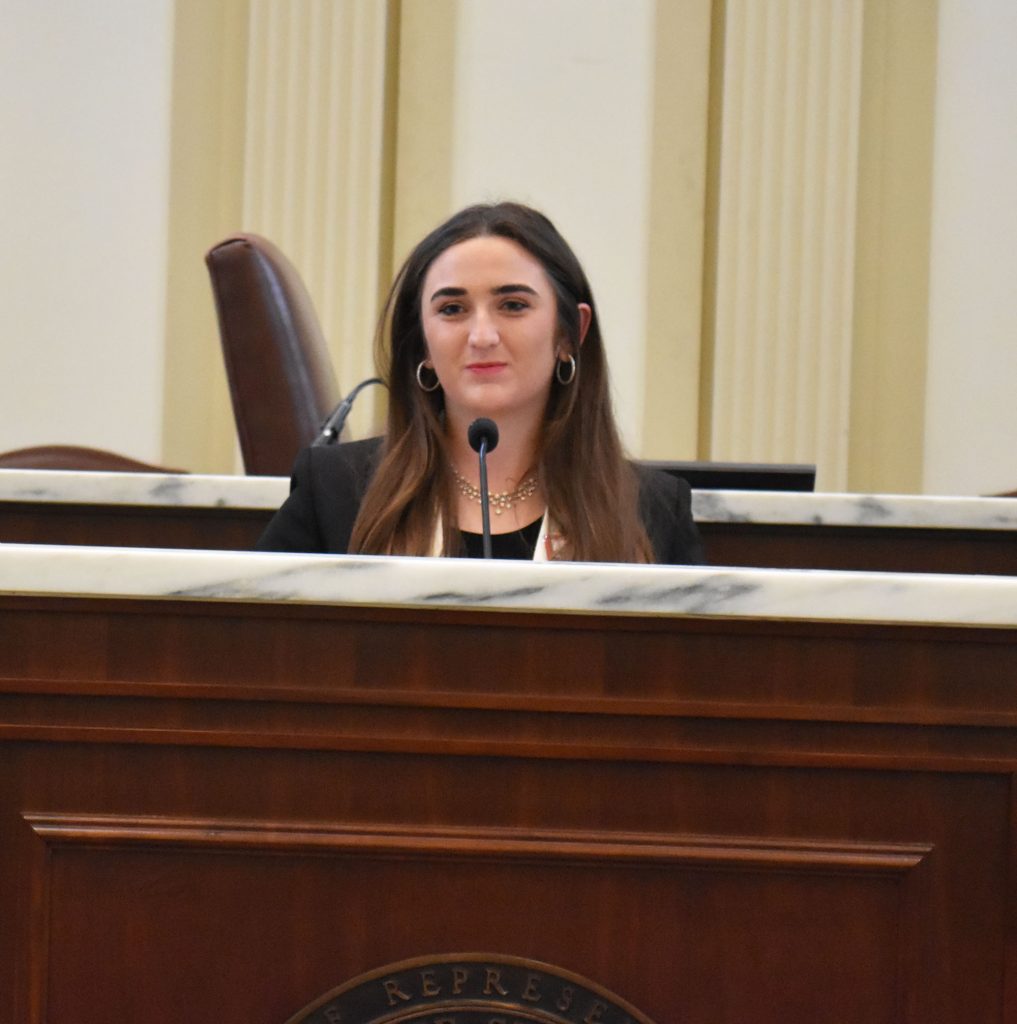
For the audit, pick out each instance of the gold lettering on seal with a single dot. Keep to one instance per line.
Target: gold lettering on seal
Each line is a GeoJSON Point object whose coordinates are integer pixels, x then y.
{"type": "Point", "coordinates": [493, 983]}
{"type": "Point", "coordinates": [456, 990]}
{"type": "Point", "coordinates": [394, 992]}
{"type": "Point", "coordinates": [530, 993]}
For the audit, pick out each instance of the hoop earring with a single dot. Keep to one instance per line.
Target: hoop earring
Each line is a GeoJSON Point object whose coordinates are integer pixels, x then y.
{"type": "Point", "coordinates": [420, 380]}
{"type": "Point", "coordinates": [565, 381]}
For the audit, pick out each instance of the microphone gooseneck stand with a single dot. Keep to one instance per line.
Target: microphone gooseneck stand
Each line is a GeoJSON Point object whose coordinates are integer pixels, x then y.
{"type": "Point", "coordinates": [483, 437]}
{"type": "Point", "coordinates": [336, 419]}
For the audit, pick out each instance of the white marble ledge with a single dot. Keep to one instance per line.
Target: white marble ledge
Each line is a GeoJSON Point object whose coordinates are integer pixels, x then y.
{"type": "Point", "coordinates": [765, 507]}
{"type": "Point", "coordinates": [179, 490]}
{"type": "Point", "coordinates": [898, 510]}
{"type": "Point", "coordinates": [666, 591]}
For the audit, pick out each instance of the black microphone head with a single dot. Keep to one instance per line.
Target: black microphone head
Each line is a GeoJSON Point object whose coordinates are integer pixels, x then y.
{"type": "Point", "coordinates": [483, 430]}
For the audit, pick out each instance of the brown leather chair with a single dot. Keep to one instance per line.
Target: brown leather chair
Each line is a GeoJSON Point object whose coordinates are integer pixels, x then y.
{"type": "Point", "coordinates": [279, 369]}
{"type": "Point", "coordinates": [67, 456]}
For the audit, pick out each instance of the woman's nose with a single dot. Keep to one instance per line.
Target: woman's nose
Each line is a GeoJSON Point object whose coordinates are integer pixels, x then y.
{"type": "Point", "coordinates": [483, 330]}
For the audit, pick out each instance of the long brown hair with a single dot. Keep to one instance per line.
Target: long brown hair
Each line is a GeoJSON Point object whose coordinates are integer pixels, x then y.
{"type": "Point", "coordinates": [591, 490]}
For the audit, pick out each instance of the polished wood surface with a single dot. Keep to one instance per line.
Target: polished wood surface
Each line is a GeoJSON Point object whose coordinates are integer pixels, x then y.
{"type": "Point", "coordinates": [761, 545]}
{"type": "Point", "coordinates": [218, 812]}
{"type": "Point", "coordinates": [131, 526]}
{"type": "Point", "coordinates": [863, 548]}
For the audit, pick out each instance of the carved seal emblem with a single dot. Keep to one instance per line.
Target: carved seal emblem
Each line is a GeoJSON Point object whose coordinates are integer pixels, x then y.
{"type": "Point", "coordinates": [470, 988]}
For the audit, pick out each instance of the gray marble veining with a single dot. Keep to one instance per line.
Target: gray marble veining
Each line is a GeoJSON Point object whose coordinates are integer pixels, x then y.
{"type": "Point", "coordinates": [181, 490]}
{"type": "Point", "coordinates": [907, 510]}
{"type": "Point", "coordinates": [523, 586]}
{"type": "Point", "coordinates": [774, 507]}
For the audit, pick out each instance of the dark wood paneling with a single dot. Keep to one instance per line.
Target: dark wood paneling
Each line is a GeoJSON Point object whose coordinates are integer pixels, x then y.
{"type": "Point", "coordinates": [131, 526]}
{"type": "Point", "coordinates": [626, 918]}
{"type": "Point", "coordinates": [760, 545]}
{"type": "Point", "coordinates": [865, 548]}
{"type": "Point", "coordinates": [220, 812]}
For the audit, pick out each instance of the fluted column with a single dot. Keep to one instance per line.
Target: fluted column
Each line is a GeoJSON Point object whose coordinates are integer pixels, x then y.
{"type": "Point", "coordinates": [785, 229]}
{"type": "Point", "coordinates": [314, 162]}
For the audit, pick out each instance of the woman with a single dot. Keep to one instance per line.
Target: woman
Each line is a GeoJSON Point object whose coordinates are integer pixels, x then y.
{"type": "Point", "coordinates": [491, 315]}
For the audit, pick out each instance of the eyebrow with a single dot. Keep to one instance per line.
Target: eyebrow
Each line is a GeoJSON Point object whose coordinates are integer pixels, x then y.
{"type": "Point", "coordinates": [502, 289]}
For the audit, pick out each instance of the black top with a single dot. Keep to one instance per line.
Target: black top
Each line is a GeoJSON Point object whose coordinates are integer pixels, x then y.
{"type": "Point", "coordinates": [517, 544]}
{"type": "Point", "coordinates": [329, 483]}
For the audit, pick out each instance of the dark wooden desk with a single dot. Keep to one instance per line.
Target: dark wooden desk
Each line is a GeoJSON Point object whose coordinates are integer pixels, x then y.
{"type": "Point", "coordinates": [802, 546]}
{"type": "Point", "coordinates": [217, 812]}
{"type": "Point", "coordinates": [131, 526]}
{"type": "Point", "coordinates": [865, 548]}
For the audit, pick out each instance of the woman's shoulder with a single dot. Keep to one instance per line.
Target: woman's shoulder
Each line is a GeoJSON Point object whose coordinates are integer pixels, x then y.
{"type": "Point", "coordinates": [353, 454]}
{"type": "Point", "coordinates": [326, 488]}
{"type": "Point", "coordinates": [656, 484]}
{"type": "Point", "coordinates": [665, 506]}
{"type": "Point", "coordinates": [339, 465]}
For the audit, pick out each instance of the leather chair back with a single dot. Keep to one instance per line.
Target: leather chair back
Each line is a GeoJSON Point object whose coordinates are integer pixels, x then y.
{"type": "Point", "coordinates": [280, 373]}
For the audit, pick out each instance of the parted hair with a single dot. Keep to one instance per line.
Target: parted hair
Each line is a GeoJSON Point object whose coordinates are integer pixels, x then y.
{"type": "Point", "coordinates": [591, 489]}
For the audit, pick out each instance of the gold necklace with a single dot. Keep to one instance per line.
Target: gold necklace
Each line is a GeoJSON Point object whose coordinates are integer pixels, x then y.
{"type": "Point", "coordinates": [501, 501]}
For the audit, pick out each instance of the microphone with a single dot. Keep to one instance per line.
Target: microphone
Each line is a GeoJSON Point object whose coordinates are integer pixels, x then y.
{"type": "Point", "coordinates": [483, 438]}
{"type": "Point", "coordinates": [336, 419]}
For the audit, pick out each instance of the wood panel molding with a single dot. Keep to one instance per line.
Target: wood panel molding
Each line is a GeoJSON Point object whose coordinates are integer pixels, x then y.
{"type": "Point", "coordinates": [685, 851]}
{"type": "Point", "coordinates": [793, 865]}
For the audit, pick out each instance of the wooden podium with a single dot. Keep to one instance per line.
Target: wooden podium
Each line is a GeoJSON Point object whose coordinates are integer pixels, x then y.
{"type": "Point", "coordinates": [217, 812]}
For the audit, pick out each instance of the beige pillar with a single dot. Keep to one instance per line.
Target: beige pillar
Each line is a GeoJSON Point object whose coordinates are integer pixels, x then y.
{"type": "Point", "coordinates": [786, 190]}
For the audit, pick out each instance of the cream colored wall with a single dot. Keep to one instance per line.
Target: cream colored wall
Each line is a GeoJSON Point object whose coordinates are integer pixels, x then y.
{"type": "Point", "coordinates": [141, 131]}
{"type": "Point", "coordinates": [85, 115]}
{"type": "Point", "coordinates": [560, 106]}
{"type": "Point", "coordinates": [892, 268]}
{"type": "Point", "coordinates": [148, 130]}
{"type": "Point", "coordinates": [674, 363]}
{"type": "Point", "coordinates": [424, 151]}
{"type": "Point", "coordinates": [205, 204]}
{"type": "Point", "coordinates": [561, 119]}
{"type": "Point", "coordinates": [280, 128]}
{"type": "Point", "coordinates": [971, 413]}
{"type": "Point", "coordinates": [770, 260]}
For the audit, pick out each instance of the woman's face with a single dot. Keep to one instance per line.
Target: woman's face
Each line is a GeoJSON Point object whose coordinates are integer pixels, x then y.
{"type": "Point", "coordinates": [489, 316]}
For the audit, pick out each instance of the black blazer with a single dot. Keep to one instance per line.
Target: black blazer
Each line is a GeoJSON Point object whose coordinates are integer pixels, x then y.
{"type": "Point", "coordinates": [328, 485]}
